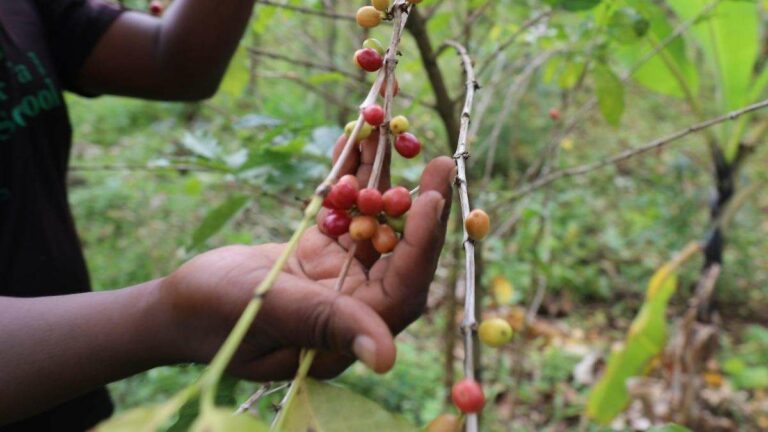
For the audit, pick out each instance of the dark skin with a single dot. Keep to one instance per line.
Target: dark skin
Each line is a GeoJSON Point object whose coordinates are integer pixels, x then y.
{"type": "Point", "coordinates": [181, 56]}
{"type": "Point", "coordinates": [67, 345]}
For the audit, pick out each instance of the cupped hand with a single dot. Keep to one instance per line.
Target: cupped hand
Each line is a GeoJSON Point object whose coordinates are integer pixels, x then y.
{"type": "Point", "coordinates": [379, 298]}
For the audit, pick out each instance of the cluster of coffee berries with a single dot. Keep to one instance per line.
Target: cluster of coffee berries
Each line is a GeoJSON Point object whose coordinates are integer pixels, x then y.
{"type": "Point", "coordinates": [366, 214]}
{"type": "Point", "coordinates": [156, 8]}
{"type": "Point", "coordinates": [371, 16]}
{"type": "Point", "coordinates": [370, 57]}
{"type": "Point", "coordinates": [406, 143]}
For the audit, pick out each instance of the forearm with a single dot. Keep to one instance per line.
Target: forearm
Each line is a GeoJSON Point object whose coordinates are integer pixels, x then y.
{"type": "Point", "coordinates": [199, 37]}
{"type": "Point", "coordinates": [55, 348]}
{"type": "Point", "coordinates": [181, 56]}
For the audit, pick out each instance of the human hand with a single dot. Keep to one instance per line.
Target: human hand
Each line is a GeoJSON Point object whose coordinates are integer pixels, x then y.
{"type": "Point", "coordinates": [380, 296]}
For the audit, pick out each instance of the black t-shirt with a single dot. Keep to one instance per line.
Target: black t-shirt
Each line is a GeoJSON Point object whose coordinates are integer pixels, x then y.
{"type": "Point", "coordinates": [43, 45]}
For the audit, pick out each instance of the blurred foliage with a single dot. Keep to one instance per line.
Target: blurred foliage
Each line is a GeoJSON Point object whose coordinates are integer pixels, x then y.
{"type": "Point", "coordinates": [154, 183]}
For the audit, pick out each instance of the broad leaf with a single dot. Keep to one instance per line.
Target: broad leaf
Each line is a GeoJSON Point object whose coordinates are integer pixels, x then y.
{"type": "Point", "coordinates": [573, 5]}
{"type": "Point", "coordinates": [627, 26]}
{"type": "Point", "coordinates": [570, 74]}
{"type": "Point", "coordinates": [734, 62]}
{"type": "Point", "coordinates": [224, 420]}
{"type": "Point", "coordinates": [610, 94]}
{"type": "Point", "coordinates": [140, 419]}
{"type": "Point", "coordinates": [324, 408]}
{"type": "Point", "coordinates": [201, 144]}
{"type": "Point", "coordinates": [717, 33]}
{"type": "Point", "coordinates": [669, 71]}
{"type": "Point", "coordinates": [645, 340]}
{"type": "Point", "coordinates": [216, 219]}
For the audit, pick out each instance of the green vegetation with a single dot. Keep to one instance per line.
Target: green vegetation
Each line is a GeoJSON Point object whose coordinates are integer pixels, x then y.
{"type": "Point", "coordinates": [154, 183]}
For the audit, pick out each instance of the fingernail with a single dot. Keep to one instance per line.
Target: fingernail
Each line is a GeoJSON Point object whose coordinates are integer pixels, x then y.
{"type": "Point", "coordinates": [365, 350]}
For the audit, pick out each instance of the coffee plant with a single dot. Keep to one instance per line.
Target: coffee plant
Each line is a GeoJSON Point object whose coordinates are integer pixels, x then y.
{"type": "Point", "coordinates": [591, 57]}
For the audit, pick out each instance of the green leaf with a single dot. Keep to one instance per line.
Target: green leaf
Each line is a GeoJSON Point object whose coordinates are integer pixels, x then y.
{"type": "Point", "coordinates": [734, 62]}
{"type": "Point", "coordinates": [325, 407]}
{"type": "Point", "coordinates": [716, 33]}
{"type": "Point", "coordinates": [570, 75]}
{"type": "Point", "coordinates": [610, 94]}
{"type": "Point", "coordinates": [573, 5]}
{"type": "Point", "coordinates": [224, 420]}
{"type": "Point", "coordinates": [752, 378]}
{"type": "Point", "coordinates": [669, 70]}
{"type": "Point", "coordinates": [201, 144]}
{"type": "Point", "coordinates": [645, 339]}
{"type": "Point", "coordinates": [140, 419]}
{"type": "Point", "coordinates": [671, 427]}
{"type": "Point", "coordinates": [626, 25]}
{"type": "Point", "coordinates": [216, 219]}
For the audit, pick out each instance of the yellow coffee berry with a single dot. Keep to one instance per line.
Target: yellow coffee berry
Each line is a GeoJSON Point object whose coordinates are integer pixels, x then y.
{"type": "Point", "coordinates": [399, 125]}
{"type": "Point", "coordinates": [495, 332]}
{"type": "Point", "coordinates": [364, 133]}
{"type": "Point", "coordinates": [381, 5]}
{"type": "Point", "coordinates": [368, 17]}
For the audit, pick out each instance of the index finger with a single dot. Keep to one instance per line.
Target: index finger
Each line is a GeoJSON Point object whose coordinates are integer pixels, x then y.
{"type": "Point", "coordinates": [405, 276]}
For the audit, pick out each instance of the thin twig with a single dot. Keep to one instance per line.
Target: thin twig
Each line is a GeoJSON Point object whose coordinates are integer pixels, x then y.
{"type": "Point", "coordinates": [246, 406]}
{"type": "Point", "coordinates": [510, 100]}
{"type": "Point", "coordinates": [581, 113]}
{"type": "Point", "coordinates": [307, 11]}
{"type": "Point", "coordinates": [630, 153]}
{"type": "Point", "coordinates": [469, 323]}
{"type": "Point", "coordinates": [511, 39]}
{"type": "Point", "coordinates": [148, 168]}
{"type": "Point", "coordinates": [401, 10]}
{"type": "Point", "coordinates": [305, 63]}
{"type": "Point", "coordinates": [328, 96]}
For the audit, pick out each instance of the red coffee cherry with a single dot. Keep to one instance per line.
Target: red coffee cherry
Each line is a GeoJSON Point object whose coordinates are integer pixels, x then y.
{"type": "Point", "coordinates": [468, 396]}
{"type": "Point", "coordinates": [363, 228]}
{"type": "Point", "coordinates": [343, 195]}
{"type": "Point", "coordinates": [336, 223]}
{"type": "Point", "coordinates": [397, 201]}
{"type": "Point", "coordinates": [369, 59]}
{"type": "Point", "coordinates": [408, 145]}
{"type": "Point", "coordinates": [385, 239]}
{"type": "Point", "coordinates": [370, 202]}
{"type": "Point", "coordinates": [156, 8]}
{"type": "Point", "coordinates": [374, 115]}
{"type": "Point", "coordinates": [327, 202]}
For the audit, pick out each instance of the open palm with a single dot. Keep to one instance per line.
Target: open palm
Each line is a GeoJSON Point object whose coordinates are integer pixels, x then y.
{"type": "Point", "coordinates": [379, 298]}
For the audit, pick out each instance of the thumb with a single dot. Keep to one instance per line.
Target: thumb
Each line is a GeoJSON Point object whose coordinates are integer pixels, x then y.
{"type": "Point", "coordinates": [351, 325]}
{"type": "Point", "coordinates": [321, 318]}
